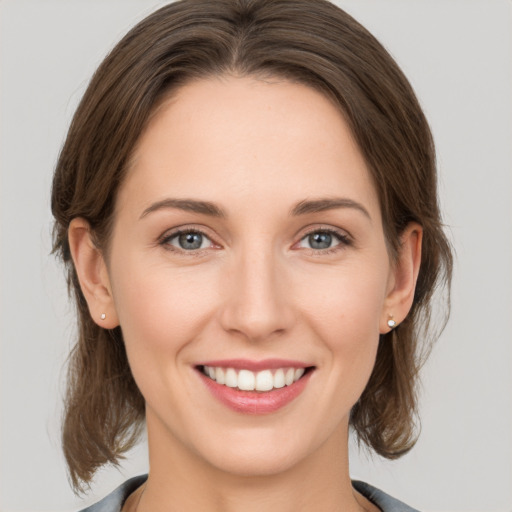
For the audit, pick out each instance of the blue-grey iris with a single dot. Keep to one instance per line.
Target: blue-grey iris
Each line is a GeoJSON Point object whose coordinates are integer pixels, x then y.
{"type": "Point", "coordinates": [320, 240]}
{"type": "Point", "coordinates": [190, 241]}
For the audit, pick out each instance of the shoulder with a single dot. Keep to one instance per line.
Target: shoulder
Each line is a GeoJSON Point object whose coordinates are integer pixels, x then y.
{"type": "Point", "coordinates": [385, 502]}
{"type": "Point", "coordinates": [115, 500]}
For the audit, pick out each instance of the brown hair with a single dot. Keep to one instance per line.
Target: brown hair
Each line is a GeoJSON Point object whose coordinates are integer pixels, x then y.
{"type": "Point", "coordinates": [308, 41]}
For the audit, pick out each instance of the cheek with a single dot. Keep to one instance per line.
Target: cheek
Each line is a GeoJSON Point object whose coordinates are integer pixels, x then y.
{"type": "Point", "coordinates": [345, 300]}
{"type": "Point", "coordinates": [161, 309]}
{"type": "Point", "coordinates": [162, 313]}
{"type": "Point", "coordinates": [344, 310]}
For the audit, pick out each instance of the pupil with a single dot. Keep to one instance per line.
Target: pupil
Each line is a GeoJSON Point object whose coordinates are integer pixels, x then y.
{"type": "Point", "coordinates": [190, 240]}
{"type": "Point", "coordinates": [320, 240]}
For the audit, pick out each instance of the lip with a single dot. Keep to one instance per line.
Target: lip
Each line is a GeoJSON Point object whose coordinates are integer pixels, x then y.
{"type": "Point", "coordinates": [255, 402]}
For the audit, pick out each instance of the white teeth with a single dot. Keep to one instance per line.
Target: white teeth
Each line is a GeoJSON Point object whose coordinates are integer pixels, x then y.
{"type": "Point", "coordinates": [264, 381]}
{"type": "Point", "coordinates": [279, 379]}
{"type": "Point", "coordinates": [231, 378]}
{"type": "Point", "coordinates": [219, 375]}
{"type": "Point", "coordinates": [246, 380]}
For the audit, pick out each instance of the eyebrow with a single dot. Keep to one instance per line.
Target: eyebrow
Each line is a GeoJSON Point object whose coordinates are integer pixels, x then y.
{"type": "Point", "coordinates": [189, 205]}
{"type": "Point", "coordinates": [324, 204]}
{"type": "Point", "coordinates": [301, 208]}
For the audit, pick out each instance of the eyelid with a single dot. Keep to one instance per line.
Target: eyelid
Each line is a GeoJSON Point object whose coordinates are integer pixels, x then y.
{"type": "Point", "coordinates": [342, 235]}
{"type": "Point", "coordinates": [345, 239]}
{"type": "Point", "coordinates": [171, 233]}
{"type": "Point", "coordinates": [307, 230]}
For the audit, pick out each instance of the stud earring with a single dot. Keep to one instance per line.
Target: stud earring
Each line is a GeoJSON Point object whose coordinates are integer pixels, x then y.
{"type": "Point", "coordinates": [391, 323]}
{"type": "Point", "coordinates": [103, 316]}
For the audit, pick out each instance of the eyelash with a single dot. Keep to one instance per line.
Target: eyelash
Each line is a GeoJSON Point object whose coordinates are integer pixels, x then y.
{"type": "Point", "coordinates": [168, 237]}
{"type": "Point", "coordinates": [343, 239]}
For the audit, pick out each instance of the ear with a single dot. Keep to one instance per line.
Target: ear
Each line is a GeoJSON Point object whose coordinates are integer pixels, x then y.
{"type": "Point", "coordinates": [403, 277]}
{"type": "Point", "coordinates": [92, 274]}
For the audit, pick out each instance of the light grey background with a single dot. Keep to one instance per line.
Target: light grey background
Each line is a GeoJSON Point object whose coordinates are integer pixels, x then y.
{"type": "Point", "coordinates": [457, 54]}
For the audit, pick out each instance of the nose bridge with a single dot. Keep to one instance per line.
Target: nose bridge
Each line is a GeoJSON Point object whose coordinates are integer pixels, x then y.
{"type": "Point", "coordinates": [257, 305]}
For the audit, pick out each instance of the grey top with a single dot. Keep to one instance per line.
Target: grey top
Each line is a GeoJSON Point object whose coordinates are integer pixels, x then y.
{"type": "Point", "coordinates": [115, 500]}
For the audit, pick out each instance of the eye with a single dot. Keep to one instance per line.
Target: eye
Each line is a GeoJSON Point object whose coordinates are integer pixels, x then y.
{"type": "Point", "coordinates": [322, 240]}
{"type": "Point", "coordinates": [188, 240]}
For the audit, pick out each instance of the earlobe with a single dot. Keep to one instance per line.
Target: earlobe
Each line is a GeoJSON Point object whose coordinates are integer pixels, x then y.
{"type": "Point", "coordinates": [92, 274]}
{"type": "Point", "coordinates": [404, 275]}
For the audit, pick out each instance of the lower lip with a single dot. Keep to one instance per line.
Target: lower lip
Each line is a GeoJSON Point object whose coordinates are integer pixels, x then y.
{"type": "Point", "coordinates": [255, 402]}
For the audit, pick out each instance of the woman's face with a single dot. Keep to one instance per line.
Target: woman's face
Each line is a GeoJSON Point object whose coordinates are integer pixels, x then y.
{"type": "Point", "coordinates": [248, 244]}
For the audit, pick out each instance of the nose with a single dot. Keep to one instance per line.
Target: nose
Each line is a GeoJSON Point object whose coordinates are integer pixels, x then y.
{"type": "Point", "coordinates": [257, 303]}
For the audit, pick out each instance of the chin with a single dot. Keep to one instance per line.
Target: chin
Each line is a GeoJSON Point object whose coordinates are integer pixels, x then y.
{"type": "Point", "coordinates": [256, 454]}
{"type": "Point", "coordinates": [255, 463]}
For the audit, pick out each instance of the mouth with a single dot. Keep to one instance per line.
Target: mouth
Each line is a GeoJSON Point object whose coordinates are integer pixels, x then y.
{"type": "Point", "coordinates": [261, 381]}
{"type": "Point", "coordinates": [255, 387]}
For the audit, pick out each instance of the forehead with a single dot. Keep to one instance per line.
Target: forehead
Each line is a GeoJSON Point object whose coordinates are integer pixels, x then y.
{"type": "Point", "coordinates": [227, 137]}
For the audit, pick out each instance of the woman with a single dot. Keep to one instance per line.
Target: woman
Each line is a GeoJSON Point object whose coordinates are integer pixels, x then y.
{"type": "Point", "coordinates": [246, 204]}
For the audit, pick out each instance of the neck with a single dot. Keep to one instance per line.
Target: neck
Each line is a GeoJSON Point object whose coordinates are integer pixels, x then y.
{"type": "Point", "coordinates": [180, 480]}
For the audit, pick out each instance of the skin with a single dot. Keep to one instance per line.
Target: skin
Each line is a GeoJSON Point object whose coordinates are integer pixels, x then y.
{"type": "Point", "coordinates": [255, 290]}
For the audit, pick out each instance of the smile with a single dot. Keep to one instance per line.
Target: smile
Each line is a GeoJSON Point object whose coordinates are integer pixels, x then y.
{"type": "Point", "coordinates": [247, 380]}
{"type": "Point", "coordinates": [251, 387]}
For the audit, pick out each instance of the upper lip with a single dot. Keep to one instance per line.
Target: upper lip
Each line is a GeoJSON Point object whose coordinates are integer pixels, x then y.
{"type": "Point", "coordinates": [255, 366]}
